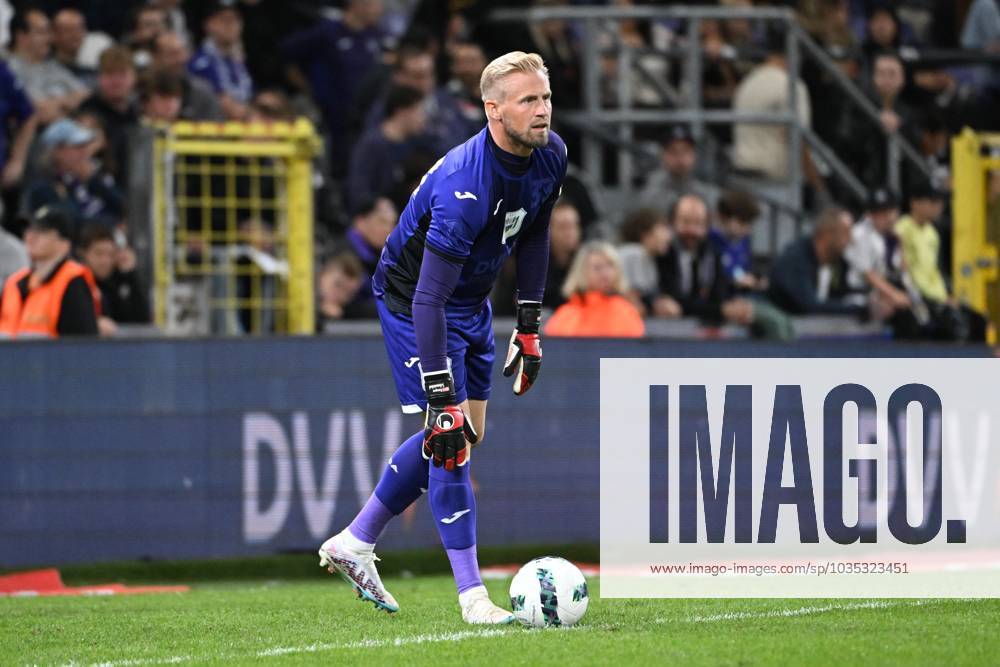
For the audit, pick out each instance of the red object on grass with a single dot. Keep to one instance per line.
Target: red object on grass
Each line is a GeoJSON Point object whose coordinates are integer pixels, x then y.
{"type": "Point", "coordinates": [37, 583]}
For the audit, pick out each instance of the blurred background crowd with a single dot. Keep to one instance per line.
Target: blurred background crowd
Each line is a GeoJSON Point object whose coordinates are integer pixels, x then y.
{"type": "Point", "coordinates": [393, 84]}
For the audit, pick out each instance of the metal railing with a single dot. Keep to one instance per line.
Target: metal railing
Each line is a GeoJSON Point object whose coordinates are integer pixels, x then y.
{"type": "Point", "coordinates": [687, 107]}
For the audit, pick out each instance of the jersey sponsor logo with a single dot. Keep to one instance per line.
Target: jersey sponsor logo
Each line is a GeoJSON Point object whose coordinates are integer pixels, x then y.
{"type": "Point", "coordinates": [465, 195]}
{"type": "Point", "coordinates": [409, 362]}
{"type": "Point", "coordinates": [512, 224]}
{"type": "Point", "coordinates": [456, 516]}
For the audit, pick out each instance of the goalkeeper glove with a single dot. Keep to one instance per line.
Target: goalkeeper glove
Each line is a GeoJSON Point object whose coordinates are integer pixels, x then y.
{"type": "Point", "coordinates": [524, 356]}
{"type": "Point", "coordinates": [446, 426]}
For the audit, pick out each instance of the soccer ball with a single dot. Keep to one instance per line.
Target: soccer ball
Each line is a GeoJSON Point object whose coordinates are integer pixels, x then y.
{"type": "Point", "coordinates": [549, 591]}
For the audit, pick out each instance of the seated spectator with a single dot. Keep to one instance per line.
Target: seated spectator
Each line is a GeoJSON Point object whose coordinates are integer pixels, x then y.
{"type": "Point", "coordinates": [115, 103]}
{"type": "Point", "coordinates": [338, 283]}
{"type": "Point", "coordinates": [74, 47]}
{"type": "Point", "coordinates": [378, 156]}
{"type": "Point", "coordinates": [13, 256]}
{"type": "Point", "coordinates": [467, 64]}
{"type": "Point", "coordinates": [564, 242]}
{"type": "Point", "coordinates": [646, 235]}
{"type": "Point", "coordinates": [176, 18]}
{"type": "Point", "coordinates": [20, 122]}
{"type": "Point", "coordinates": [809, 277]}
{"type": "Point", "coordinates": [596, 305]}
{"type": "Point", "coordinates": [171, 55]}
{"type": "Point", "coordinates": [921, 245]}
{"type": "Point", "coordinates": [148, 22]}
{"type": "Point", "coordinates": [73, 182]}
{"type": "Point", "coordinates": [365, 239]}
{"type": "Point", "coordinates": [220, 60]}
{"type": "Point", "coordinates": [333, 57]}
{"type": "Point", "coordinates": [883, 32]}
{"type": "Point", "coordinates": [676, 174]}
{"type": "Point", "coordinates": [737, 211]}
{"type": "Point", "coordinates": [53, 297]}
{"type": "Point", "coordinates": [691, 272]}
{"type": "Point", "coordinates": [875, 263]}
{"type": "Point", "coordinates": [161, 96]}
{"type": "Point", "coordinates": [52, 88]}
{"type": "Point", "coordinates": [123, 299]}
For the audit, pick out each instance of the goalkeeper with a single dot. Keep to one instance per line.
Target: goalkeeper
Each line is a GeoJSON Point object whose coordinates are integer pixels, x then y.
{"type": "Point", "coordinates": [486, 199]}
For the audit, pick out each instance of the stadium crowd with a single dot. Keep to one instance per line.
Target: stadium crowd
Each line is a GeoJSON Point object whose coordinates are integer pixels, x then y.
{"type": "Point", "coordinates": [394, 84]}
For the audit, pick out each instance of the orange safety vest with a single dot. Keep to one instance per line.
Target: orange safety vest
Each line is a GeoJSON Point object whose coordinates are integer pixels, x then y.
{"type": "Point", "coordinates": [37, 315]}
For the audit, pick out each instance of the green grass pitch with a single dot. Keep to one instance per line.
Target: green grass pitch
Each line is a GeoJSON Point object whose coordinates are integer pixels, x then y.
{"type": "Point", "coordinates": [319, 621]}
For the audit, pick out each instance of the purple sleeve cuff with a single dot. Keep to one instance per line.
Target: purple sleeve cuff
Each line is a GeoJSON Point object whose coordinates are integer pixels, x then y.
{"type": "Point", "coordinates": [438, 278]}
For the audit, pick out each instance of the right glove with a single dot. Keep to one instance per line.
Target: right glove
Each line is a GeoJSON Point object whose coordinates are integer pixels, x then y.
{"type": "Point", "coordinates": [446, 427]}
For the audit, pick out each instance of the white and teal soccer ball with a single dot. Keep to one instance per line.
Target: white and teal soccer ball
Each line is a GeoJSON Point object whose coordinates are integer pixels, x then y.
{"type": "Point", "coordinates": [549, 591]}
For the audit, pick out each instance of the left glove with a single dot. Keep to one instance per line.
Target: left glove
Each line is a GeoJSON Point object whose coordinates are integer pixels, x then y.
{"type": "Point", "coordinates": [524, 355]}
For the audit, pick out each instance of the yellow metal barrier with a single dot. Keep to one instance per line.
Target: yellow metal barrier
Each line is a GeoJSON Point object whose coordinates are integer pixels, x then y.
{"type": "Point", "coordinates": [233, 227]}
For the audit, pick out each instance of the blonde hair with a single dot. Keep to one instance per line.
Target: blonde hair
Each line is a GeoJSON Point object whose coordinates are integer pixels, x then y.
{"type": "Point", "coordinates": [505, 65]}
{"type": "Point", "coordinates": [576, 283]}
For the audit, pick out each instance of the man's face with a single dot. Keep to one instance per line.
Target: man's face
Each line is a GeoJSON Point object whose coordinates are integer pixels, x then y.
{"type": "Point", "coordinates": [417, 71]}
{"type": "Point", "coordinates": [413, 119]}
{"type": "Point", "coordinates": [100, 258]}
{"type": "Point", "coordinates": [43, 245]}
{"type": "Point", "coordinates": [678, 159]}
{"type": "Point", "coordinates": [376, 226]}
{"type": "Point", "coordinates": [69, 159]}
{"type": "Point", "coordinates": [68, 31]}
{"type": "Point", "coordinates": [116, 85]}
{"type": "Point", "coordinates": [691, 222]}
{"type": "Point", "coordinates": [366, 12]}
{"type": "Point", "coordinates": [888, 77]}
{"type": "Point", "coordinates": [337, 287]}
{"type": "Point", "coordinates": [564, 230]}
{"type": "Point", "coordinates": [524, 108]}
{"type": "Point", "coordinates": [834, 240]}
{"type": "Point", "coordinates": [163, 108]}
{"type": "Point", "coordinates": [225, 28]}
{"type": "Point", "coordinates": [37, 40]}
{"type": "Point", "coordinates": [884, 219]}
{"type": "Point", "coordinates": [171, 53]}
{"type": "Point", "coordinates": [467, 65]}
{"type": "Point", "coordinates": [882, 28]}
{"type": "Point", "coordinates": [926, 209]}
{"type": "Point", "coordinates": [150, 23]}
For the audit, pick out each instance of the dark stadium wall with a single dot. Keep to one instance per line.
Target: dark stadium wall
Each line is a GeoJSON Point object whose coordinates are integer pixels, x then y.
{"type": "Point", "coordinates": [208, 448]}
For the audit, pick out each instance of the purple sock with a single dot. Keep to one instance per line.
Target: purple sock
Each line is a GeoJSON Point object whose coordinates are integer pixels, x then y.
{"type": "Point", "coordinates": [371, 521]}
{"type": "Point", "coordinates": [465, 567]}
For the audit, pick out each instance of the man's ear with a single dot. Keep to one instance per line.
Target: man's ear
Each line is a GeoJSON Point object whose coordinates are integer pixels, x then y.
{"type": "Point", "coordinates": [492, 110]}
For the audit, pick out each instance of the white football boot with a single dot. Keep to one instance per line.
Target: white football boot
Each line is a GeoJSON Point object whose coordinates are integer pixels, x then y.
{"type": "Point", "coordinates": [478, 609]}
{"type": "Point", "coordinates": [355, 560]}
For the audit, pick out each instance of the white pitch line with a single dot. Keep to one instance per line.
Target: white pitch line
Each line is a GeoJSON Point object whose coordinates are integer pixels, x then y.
{"type": "Point", "coordinates": [790, 613]}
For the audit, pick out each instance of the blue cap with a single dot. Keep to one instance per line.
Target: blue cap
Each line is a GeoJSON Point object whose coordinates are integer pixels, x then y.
{"type": "Point", "coordinates": [65, 132]}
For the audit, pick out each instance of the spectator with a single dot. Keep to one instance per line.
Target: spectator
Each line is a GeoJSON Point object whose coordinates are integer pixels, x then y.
{"type": "Point", "coordinates": [74, 48]}
{"type": "Point", "coordinates": [338, 283]}
{"type": "Point", "coordinates": [161, 96]}
{"type": "Point", "coordinates": [18, 116]}
{"type": "Point", "coordinates": [691, 272]}
{"type": "Point", "coordinates": [176, 19]}
{"type": "Point", "coordinates": [467, 65]}
{"type": "Point", "coordinates": [52, 88]}
{"type": "Point", "coordinates": [220, 60]}
{"type": "Point", "coordinates": [378, 157]}
{"type": "Point", "coordinates": [647, 236]}
{"type": "Point", "coordinates": [596, 305]}
{"type": "Point", "coordinates": [123, 300]}
{"type": "Point", "coordinates": [148, 22]}
{"type": "Point", "coordinates": [53, 297]}
{"type": "Point", "coordinates": [921, 244]}
{"type": "Point", "coordinates": [883, 34]}
{"type": "Point", "coordinates": [171, 54]}
{"type": "Point", "coordinates": [334, 57]}
{"type": "Point", "coordinates": [676, 174]}
{"type": "Point", "coordinates": [808, 278]}
{"type": "Point", "coordinates": [737, 211]}
{"type": "Point", "coordinates": [981, 31]}
{"type": "Point", "coordinates": [373, 221]}
{"type": "Point", "coordinates": [875, 263]}
{"type": "Point", "coordinates": [73, 182]}
{"type": "Point", "coordinates": [553, 39]}
{"type": "Point", "coordinates": [13, 256]}
{"type": "Point", "coordinates": [564, 242]}
{"type": "Point", "coordinates": [762, 150]}
{"type": "Point", "coordinates": [115, 104]}
{"type": "Point", "coordinates": [271, 105]}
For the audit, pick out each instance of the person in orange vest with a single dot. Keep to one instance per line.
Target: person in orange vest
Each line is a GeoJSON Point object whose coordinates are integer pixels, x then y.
{"type": "Point", "coordinates": [55, 296]}
{"type": "Point", "coordinates": [597, 307]}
